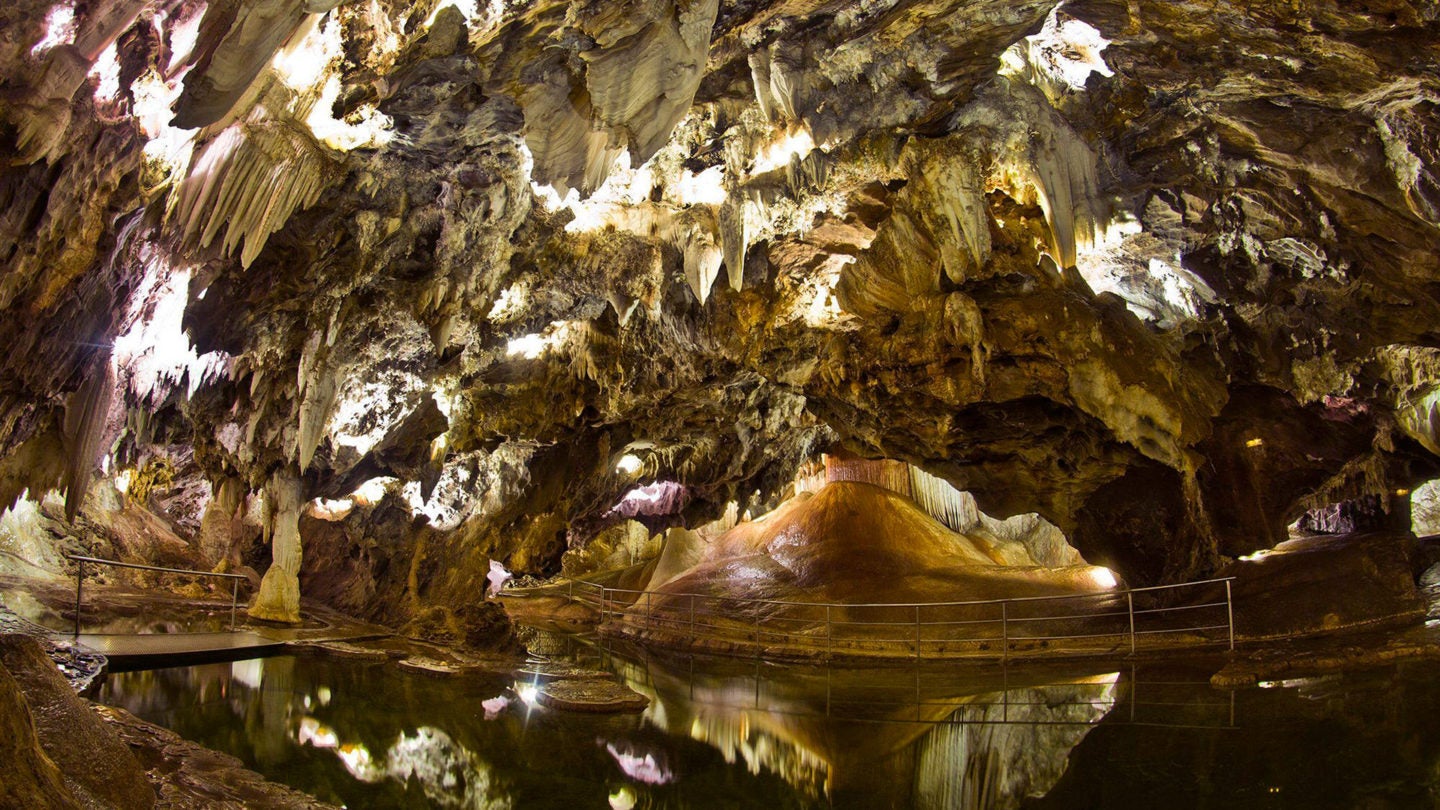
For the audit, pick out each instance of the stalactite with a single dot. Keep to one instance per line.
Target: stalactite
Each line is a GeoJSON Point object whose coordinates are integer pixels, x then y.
{"type": "Point", "coordinates": [810, 477]}
{"type": "Point", "coordinates": [249, 180]}
{"type": "Point", "coordinates": [643, 75]}
{"type": "Point", "coordinates": [735, 239]}
{"type": "Point", "coordinates": [659, 498]}
{"type": "Point", "coordinates": [1361, 476]}
{"type": "Point", "coordinates": [1420, 419]}
{"type": "Point", "coordinates": [944, 502]}
{"type": "Point", "coordinates": [1064, 172]}
{"type": "Point", "coordinates": [41, 123]}
{"type": "Point", "coordinates": [315, 407]}
{"type": "Point", "coordinates": [967, 327]}
{"type": "Point", "coordinates": [86, 415]}
{"type": "Point", "coordinates": [695, 233]}
{"type": "Point", "coordinates": [214, 539]}
{"type": "Point", "coordinates": [775, 81]}
{"type": "Point", "coordinates": [960, 204]}
{"type": "Point", "coordinates": [887, 473]}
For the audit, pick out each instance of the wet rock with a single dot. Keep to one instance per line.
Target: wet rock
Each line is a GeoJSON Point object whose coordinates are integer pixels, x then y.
{"type": "Point", "coordinates": [354, 652]}
{"type": "Point", "coordinates": [1326, 583]}
{"type": "Point", "coordinates": [188, 776]}
{"type": "Point", "coordinates": [97, 766]}
{"type": "Point", "coordinates": [591, 695]}
{"type": "Point", "coordinates": [31, 778]}
{"type": "Point", "coordinates": [476, 626]}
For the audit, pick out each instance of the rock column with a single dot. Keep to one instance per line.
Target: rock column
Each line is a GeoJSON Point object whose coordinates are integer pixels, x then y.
{"type": "Point", "coordinates": [279, 597]}
{"type": "Point", "coordinates": [216, 538]}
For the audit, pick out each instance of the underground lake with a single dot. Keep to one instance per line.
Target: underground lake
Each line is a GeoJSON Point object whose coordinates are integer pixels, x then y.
{"type": "Point", "coordinates": [724, 733]}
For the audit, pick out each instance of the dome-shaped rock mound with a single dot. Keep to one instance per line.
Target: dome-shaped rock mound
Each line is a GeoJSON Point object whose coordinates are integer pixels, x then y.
{"type": "Point", "coordinates": [862, 549]}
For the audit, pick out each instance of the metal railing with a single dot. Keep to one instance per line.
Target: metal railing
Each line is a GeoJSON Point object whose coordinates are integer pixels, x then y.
{"type": "Point", "coordinates": [80, 581]}
{"type": "Point", "coordinates": [1091, 622]}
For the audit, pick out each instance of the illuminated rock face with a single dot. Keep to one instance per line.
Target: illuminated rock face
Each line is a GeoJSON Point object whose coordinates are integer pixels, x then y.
{"type": "Point", "coordinates": [279, 596]}
{"type": "Point", "coordinates": [458, 263]}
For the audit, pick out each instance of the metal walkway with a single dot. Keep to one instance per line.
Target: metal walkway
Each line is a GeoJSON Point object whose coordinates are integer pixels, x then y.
{"type": "Point", "coordinates": [1104, 622]}
{"type": "Point", "coordinates": [128, 651]}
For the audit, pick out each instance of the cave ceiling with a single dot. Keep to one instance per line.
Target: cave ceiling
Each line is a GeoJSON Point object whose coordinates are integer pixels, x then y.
{"type": "Point", "coordinates": [1075, 258]}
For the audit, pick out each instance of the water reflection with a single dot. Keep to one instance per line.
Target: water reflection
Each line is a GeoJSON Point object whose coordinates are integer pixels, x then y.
{"type": "Point", "coordinates": [922, 737]}
{"type": "Point", "coordinates": [730, 734]}
{"type": "Point", "coordinates": [448, 773]}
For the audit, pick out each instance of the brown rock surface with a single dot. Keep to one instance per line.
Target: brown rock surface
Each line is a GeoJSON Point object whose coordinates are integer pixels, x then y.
{"type": "Point", "coordinates": [30, 778]}
{"type": "Point", "coordinates": [96, 766]}
{"type": "Point", "coordinates": [856, 542]}
{"type": "Point", "coordinates": [190, 777]}
{"type": "Point", "coordinates": [592, 695]}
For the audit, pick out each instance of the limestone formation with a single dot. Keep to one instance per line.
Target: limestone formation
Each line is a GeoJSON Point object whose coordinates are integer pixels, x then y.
{"type": "Point", "coordinates": [279, 596]}
{"type": "Point", "coordinates": [437, 284]}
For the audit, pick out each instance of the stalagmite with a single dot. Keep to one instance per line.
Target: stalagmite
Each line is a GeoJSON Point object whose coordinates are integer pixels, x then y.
{"type": "Point", "coordinates": [279, 596]}
{"type": "Point", "coordinates": [215, 539]}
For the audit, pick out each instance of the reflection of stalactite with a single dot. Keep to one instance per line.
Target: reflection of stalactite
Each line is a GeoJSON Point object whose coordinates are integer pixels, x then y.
{"type": "Point", "coordinates": [992, 757]}
{"type": "Point", "coordinates": [85, 417]}
{"type": "Point", "coordinates": [739, 738]}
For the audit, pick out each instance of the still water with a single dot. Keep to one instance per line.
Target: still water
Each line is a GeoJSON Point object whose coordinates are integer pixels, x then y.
{"type": "Point", "coordinates": [727, 734]}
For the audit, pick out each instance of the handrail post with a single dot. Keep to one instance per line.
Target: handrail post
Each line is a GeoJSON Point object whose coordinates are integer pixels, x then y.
{"type": "Point", "coordinates": [917, 634]}
{"type": "Point", "coordinates": [829, 645]}
{"type": "Point", "coordinates": [1130, 608]}
{"type": "Point", "coordinates": [234, 599]}
{"type": "Point", "coordinates": [649, 615]}
{"type": "Point", "coordinates": [1230, 616]}
{"type": "Point", "coordinates": [79, 583]}
{"type": "Point", "coordinates": [1004, 631]}
{"type": "Point", "coordinates": [692, 619]}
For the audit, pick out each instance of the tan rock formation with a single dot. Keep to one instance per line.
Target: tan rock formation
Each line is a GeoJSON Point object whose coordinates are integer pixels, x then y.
{"type": "Point", "coordinates": [1071, 259]}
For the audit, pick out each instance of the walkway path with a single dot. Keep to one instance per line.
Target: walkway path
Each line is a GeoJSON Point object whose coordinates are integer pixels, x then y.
{"type": "Point", "coordinates": [128, 651]}
{"type": "Point", "coordinates": [148, 650]}
{"type": "Point", "coordinates": [134, 651]}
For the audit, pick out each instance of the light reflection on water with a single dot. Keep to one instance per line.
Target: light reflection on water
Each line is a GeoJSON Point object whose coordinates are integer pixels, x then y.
{"type": "Point", "coordinates": [721, 733]}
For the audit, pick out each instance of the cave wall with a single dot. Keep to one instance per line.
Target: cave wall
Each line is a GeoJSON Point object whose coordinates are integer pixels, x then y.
{"type": "Point", "coordinates": [1072, 258]}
